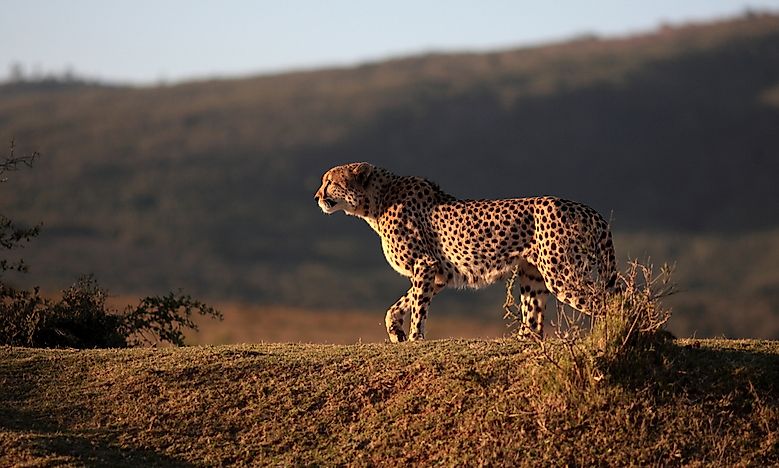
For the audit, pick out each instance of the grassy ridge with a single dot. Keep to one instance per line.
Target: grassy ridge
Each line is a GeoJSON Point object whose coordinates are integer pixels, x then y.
{"type": "Point", "coordinates": [451, 402]}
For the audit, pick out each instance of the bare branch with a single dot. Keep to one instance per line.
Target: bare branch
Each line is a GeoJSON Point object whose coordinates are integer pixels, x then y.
{"type": "Point", "coordinates": [11, 162]}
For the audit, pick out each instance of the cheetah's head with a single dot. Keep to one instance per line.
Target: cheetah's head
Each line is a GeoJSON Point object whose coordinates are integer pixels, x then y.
{"type": "Point", "coordinates": [344, 188]}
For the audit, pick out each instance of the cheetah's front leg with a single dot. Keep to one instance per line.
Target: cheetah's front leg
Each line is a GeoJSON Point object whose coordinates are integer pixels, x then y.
{"type": "Point", "coordinates": [394, 318]}
{"type": "Point", "coordinates": [423, 289]}
{"type": "Point", "coordinates": [416, 300]}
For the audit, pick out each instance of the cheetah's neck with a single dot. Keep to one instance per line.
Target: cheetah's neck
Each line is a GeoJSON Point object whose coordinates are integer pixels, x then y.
{"type": "Point", "coordinates": [385, 189]}
{"type": "Point", "coordinates": [376, 192]}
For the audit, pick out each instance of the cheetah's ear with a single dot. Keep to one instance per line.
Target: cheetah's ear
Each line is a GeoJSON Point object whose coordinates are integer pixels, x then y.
{"type": "Point", "coordinates": [362, 172]}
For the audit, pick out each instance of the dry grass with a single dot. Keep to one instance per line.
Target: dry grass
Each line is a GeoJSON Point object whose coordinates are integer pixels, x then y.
{"type": "Point", "coordinates": [455, 402]}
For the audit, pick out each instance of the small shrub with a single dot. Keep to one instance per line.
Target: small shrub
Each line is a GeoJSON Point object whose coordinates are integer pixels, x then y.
{"type": "Point", "coordinates": [82, 319]}
{"type": "Point", "coordinates": [21, 315]}
{"type": "Point", "coordinates": [626, 331]}
{"type": "Point", "coordinates": [633, 317]}
{"type": "Point", "coordinates": [164, 318]}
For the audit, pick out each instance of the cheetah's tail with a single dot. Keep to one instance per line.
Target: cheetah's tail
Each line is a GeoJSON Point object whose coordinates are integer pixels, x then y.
{"type": "Point", "coordinates": [608, 264]}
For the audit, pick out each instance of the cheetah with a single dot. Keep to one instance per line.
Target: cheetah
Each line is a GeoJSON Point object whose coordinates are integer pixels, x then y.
{"type": "Point", "coordinates": [438, 241]}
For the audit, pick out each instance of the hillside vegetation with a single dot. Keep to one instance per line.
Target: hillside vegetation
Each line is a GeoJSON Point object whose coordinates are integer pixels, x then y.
{"type": "Point", "coordinates": [457, 403]}
{"type": "Point", "coordinates": [207, 185]}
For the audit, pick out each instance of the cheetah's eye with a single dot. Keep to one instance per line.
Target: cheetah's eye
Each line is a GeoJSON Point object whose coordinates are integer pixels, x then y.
{"type": "Point", "coordinates": [333, 188]}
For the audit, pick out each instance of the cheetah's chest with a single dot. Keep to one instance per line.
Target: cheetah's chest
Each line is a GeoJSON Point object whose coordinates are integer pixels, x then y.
{"type": "Point", "coordinates": [402, 244]}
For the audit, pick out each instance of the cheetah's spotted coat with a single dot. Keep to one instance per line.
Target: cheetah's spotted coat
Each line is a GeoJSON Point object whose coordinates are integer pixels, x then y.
{"type": "Point", "coordinates": [436, 240]}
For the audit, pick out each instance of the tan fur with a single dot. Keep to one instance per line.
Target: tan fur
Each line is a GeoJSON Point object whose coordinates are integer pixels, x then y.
{"type": "Point", "coordinates": [436, 240]}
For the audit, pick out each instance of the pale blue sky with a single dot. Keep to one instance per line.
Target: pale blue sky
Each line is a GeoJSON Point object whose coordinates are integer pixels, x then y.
{"type": "Point", "coordinates": [143, 41]}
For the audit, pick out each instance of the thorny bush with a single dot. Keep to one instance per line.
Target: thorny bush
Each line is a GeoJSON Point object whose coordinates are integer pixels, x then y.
{"type": "Point", "coordinates": [627, 329]}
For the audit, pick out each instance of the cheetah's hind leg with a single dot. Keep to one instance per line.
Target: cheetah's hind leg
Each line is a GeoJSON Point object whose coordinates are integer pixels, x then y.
{"type": "Point", "coordinates": [533, 296]}
{"type": "Point", "coordinates": [532, 300]}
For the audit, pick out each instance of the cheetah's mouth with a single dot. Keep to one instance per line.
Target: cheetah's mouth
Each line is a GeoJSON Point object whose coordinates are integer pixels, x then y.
{"type": "Point", "coordinates": [329, 203]}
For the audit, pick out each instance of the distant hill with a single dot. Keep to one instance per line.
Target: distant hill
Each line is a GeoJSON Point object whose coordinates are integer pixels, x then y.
{"type": "Point", "coordinates": [208, 185]}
